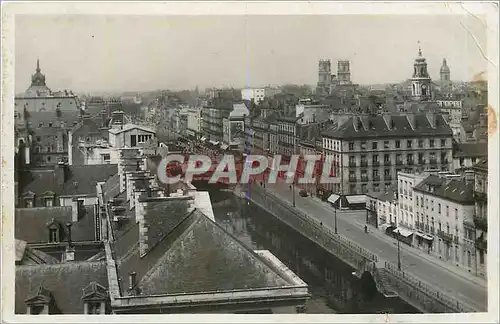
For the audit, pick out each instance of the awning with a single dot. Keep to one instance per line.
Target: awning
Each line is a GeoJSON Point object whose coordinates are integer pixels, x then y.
{"type": "Point", "coordinates": [216, 143]}
{"type": "Point", "coordinates": [403, 231]}
{"type": "Point", "coordinates": [384, 226]}
{"type": "Point", "coordinates": [333, 198]}
{"type": "Point", "coordinates": [425, 236]}
{"type": "Point", "coordinates": [203, 139]}
{"type": "Point", "coordinates": [357, 199]}
{"type": "Point", "coordinates": [224, 146]}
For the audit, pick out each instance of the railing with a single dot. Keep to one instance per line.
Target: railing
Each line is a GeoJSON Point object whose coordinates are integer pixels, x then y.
{"type": "Point", "coordinates": [387, 177]}
{"type": "Point", "coordinates": [432, 161]}
{"type": "Point", "coordinates": [415, 290]}
{"type": "Point", "coordinates": [387, 162]}
{"type": "Point", "coordinates": [410, 162]}
{"type": "Point", "coordinates": [408, 287]}
{"type": "Point", "coordinates": [364, 179]}
{"type": "Point", "coordinates": [353, 180]}
{"type": "Point", "coordinates": [478, 195]}
{"type": "Point", "coordinates": [481, 223]}
{"type": "Point", "coordinates": [481, 244]}
{"type": "Point", "coordinates": [352, 164]}
{"type": "Point", "coordinates": [445, 236]}
{"type": "Point", "coordinates": [455, 239]}
{"type": "Point", "coordinates": [399, 162]}
{"type": "Point", "coordinates": [376, 178]}
{"type": "Point", "coordinates": [364, 164]}
{"type": "Point", "coordinates": [375, 163]}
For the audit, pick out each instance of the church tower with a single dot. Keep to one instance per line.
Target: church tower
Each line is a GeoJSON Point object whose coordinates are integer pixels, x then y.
{"type": "Point", "coordinates": [444, 73]}
{"type": "Point", "coordinates": [421, 81]}
{"type": "Point", "coordinates": [324, 77]}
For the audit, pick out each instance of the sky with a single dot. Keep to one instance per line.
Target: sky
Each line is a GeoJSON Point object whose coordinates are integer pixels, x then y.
{"type": "Point", "coordinates": [100, 53]}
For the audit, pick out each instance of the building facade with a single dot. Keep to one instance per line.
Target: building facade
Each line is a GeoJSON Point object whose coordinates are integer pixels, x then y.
{"type": "Point", "coordinates": [481, 215]}
{"type": "Point", "coordinates": [369, 150]}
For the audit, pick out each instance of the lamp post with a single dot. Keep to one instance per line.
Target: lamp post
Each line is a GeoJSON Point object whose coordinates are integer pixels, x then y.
{"type": "Point", "coordinates": [335, 212]}
{"type": "Point", "coordinates": [399, 252]}
{"type": "Point", "coordinates": [291, 174]}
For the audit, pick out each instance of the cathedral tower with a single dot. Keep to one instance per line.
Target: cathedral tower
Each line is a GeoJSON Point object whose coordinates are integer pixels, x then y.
{"type": "Point", "coordinates": [444, 73]}
{"type": "Point", "coordinates": [421, 81]}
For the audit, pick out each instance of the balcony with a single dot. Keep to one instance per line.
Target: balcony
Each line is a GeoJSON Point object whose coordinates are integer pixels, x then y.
{"type": "Point", "coordinates": [444, 161]}
{"type": "Point", "coordinates": [410, 162]}
{"type": "Point", "coordinates": [481, 223]}
{"type": "Point", "coordinates": [352, 164]}
{"type": "Point", "coordinates": [387, 177]}
{"type": "Point", "coordinates": [399, 162]}
{"type": "Point", "coordinates": [364, 164]}
{"type": "Point", "coordinates": [478, 195]}
{"type": "Point", "coordinates": [364, 179]}
{"type": "Point", "coordinates": [455, 239]}
{"type": "Point", "coordinates": [375, 163]}
{"type": "Point", "coordinates": [481, 244]}
{"type": "Point", "coordinates": [433, 161]}
{"type": "Point", "coordinates": [426, 228]}
{"type": "Point", "coordinates": [387, 162]}
{"type": "Point", "coordinates": [421, 162]}
{"type": "Point", "coordinates": [353, 179]}
{"type": "Point", "coordinates": [445, 236]}
{"type": "Point", "coordinates": [376, 178]}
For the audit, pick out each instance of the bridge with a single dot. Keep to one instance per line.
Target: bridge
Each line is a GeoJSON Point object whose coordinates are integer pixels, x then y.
{"type": "Point", "coordinates": [389, 280]}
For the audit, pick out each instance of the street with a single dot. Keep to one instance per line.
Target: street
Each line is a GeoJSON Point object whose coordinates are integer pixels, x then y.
{"type": "Point", "coordinates": [351, 225]}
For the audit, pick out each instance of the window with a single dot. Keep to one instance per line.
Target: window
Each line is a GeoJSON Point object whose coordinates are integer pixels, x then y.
{"type": "Point", "coordinates": [387, 158]}
{"type": "Point", "coordinates": [352, 159]}
{"type": "Point", "coordinates": [439, 208]}
{"type": "Point", "coordinates": [386, 144]}
{"type": "Point", "coordinates": [456, 213]}
{"type": "Point", "coordinates": [29, 203]}
{"type": "Point", "coordinates": [37, 309]}
{"type": "Point", "coordinates": [443, 143]}
{"type": "Point", "coordinates": [409, 143]}
{"type": "Point", "coordinates": [38, 138]}
{"type": "Point", "coordinates": [363, 145]}
{"type": "Point", "coordinates": [398, 144]}
{"type": "Point", "coordinates": [374, 145]}
{"type": "Point", "coordinates": [420, 143]}
{"type": "Point", "coordinates": [473, 160]}
{"type": "Point", "coordinates": [387, 172]}
{"type": "Point", "coordinates": [447, 211]}
{"type": "Point", "coordinates": [106, 157]}
{"type": "Point", "coordinates": [50, 124]}
{"type": "Point", "coordinates": [53, 235]}
{"type": "Point", "coordinates": [49, 202]}
{"type": "Point", "coordinates": [93, 308]}
{"type": "Point", "coordinates": [364, 188]}
{"type": "Point", "coordinates": [375, 173]}
{"type": "Point", "coordinates": [351, 146]}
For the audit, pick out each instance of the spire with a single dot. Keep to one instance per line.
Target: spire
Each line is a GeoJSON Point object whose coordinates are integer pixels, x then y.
{"type": "Point", "coordinates": [38, 65]}
{"type": "Point", "coordinates": [419, 49]}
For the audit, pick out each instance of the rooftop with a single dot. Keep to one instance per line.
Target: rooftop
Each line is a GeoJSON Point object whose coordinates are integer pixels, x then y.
{"type": "Point", "coordinates": [370, 126]}
{"type": "Point", "coordinates": [78, 179]}
{"type": "Point", "coordinates": [31, 224]}
{"type": "Point", "coordinates": [470, 150]}
{"type": "Point", "coordinates": [454, 190]}
{"type": "Point", "coordinates": [65, 282]}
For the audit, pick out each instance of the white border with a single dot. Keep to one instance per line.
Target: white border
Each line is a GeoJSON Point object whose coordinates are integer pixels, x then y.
{"type": "Point", "coordinates": [489, 10]}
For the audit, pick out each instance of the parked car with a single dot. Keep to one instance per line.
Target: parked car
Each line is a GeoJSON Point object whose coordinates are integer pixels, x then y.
{"type": "Point", "coordinates": [303, 193]}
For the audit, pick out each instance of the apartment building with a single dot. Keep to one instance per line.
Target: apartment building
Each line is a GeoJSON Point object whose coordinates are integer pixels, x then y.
{"type": "Point", "coordinates": [370, 150]}
{"type": "Point", "coordinates": [406, 197]}
{"type": "Point", "coordinates": [194, 120]}
{"type": "Point", "coordinates": [213, 115]}
{"type": "Point", "coordinates": [481, 215]}
{"type": "Point", "coordinates": [287, 133]}
{"type": "Point", "coordinates": [443, 206]}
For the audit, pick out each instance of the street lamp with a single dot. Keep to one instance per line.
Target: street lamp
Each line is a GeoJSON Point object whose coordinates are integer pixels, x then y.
{"type": "Point", "coordinates": [291, 174]}
{"type": "Point", "coordinates": [335, 212]}
{"type": "Point", "coordinates": [399, 251]}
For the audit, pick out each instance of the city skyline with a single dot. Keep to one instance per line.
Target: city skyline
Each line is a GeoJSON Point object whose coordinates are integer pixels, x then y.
{"type": "Point", "coordinates": [100, 53]}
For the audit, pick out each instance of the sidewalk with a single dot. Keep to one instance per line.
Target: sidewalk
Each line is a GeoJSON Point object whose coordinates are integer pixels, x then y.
{"type": "Point", "coordinates": [415, 251]}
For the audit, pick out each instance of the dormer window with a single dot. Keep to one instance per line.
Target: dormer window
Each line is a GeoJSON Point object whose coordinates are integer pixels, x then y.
{"type": "Point", "coordinates": [29, 199]}
{"type": "Point", "coordinates": [54, 232]}
{"type": "Point", "coordinates": [94, 297]}
{"type": "Point", "coordinates": [40, 302]}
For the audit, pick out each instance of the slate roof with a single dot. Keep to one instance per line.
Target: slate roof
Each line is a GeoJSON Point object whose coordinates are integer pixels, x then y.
{"type": "Point", "coordinates": [46, 117]}
{"type": "Point", "coordinates": [376, 127]}
{"type": "Point", "coordinates": [64, 281]}
{"type": "Point", "coordinates": [470, 150]}
{"type": "Point", "coordinates": [25, 255]}
{"type": "Point", "coordinates": [385, 195]}
{"type": "Point", "coordinates": [454, 190]}
{"type": "Point", "coordinates": [482, 164]}
{"type": "Point", "coordinates": [81, 179]}
{"type": "Point", "coordinates": [200, 256]}
{"type": "Point", "coordinates": [31, 224]}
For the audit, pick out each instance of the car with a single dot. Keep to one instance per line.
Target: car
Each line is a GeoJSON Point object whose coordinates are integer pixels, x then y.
{"type": "Point", "coordinates": [303, 193]}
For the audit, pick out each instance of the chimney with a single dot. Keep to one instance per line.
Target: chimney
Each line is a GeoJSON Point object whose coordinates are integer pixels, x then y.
{"type": "Point", "coordinates": [61, 173]}
{"type": "Point", "coordinates": [469, 177]}
{"type": "Point", "coordinates": [75, 210]}
{"type": "Point", "coordinates": [132, 277]}
{"type": "Point", "coordinates": [68, 226]}
{"type": "Point", "coordinates": [118, 118]}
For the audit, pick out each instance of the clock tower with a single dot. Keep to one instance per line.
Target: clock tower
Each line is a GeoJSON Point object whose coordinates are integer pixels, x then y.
{"type": "Point", "coordinates": [421, 83]}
